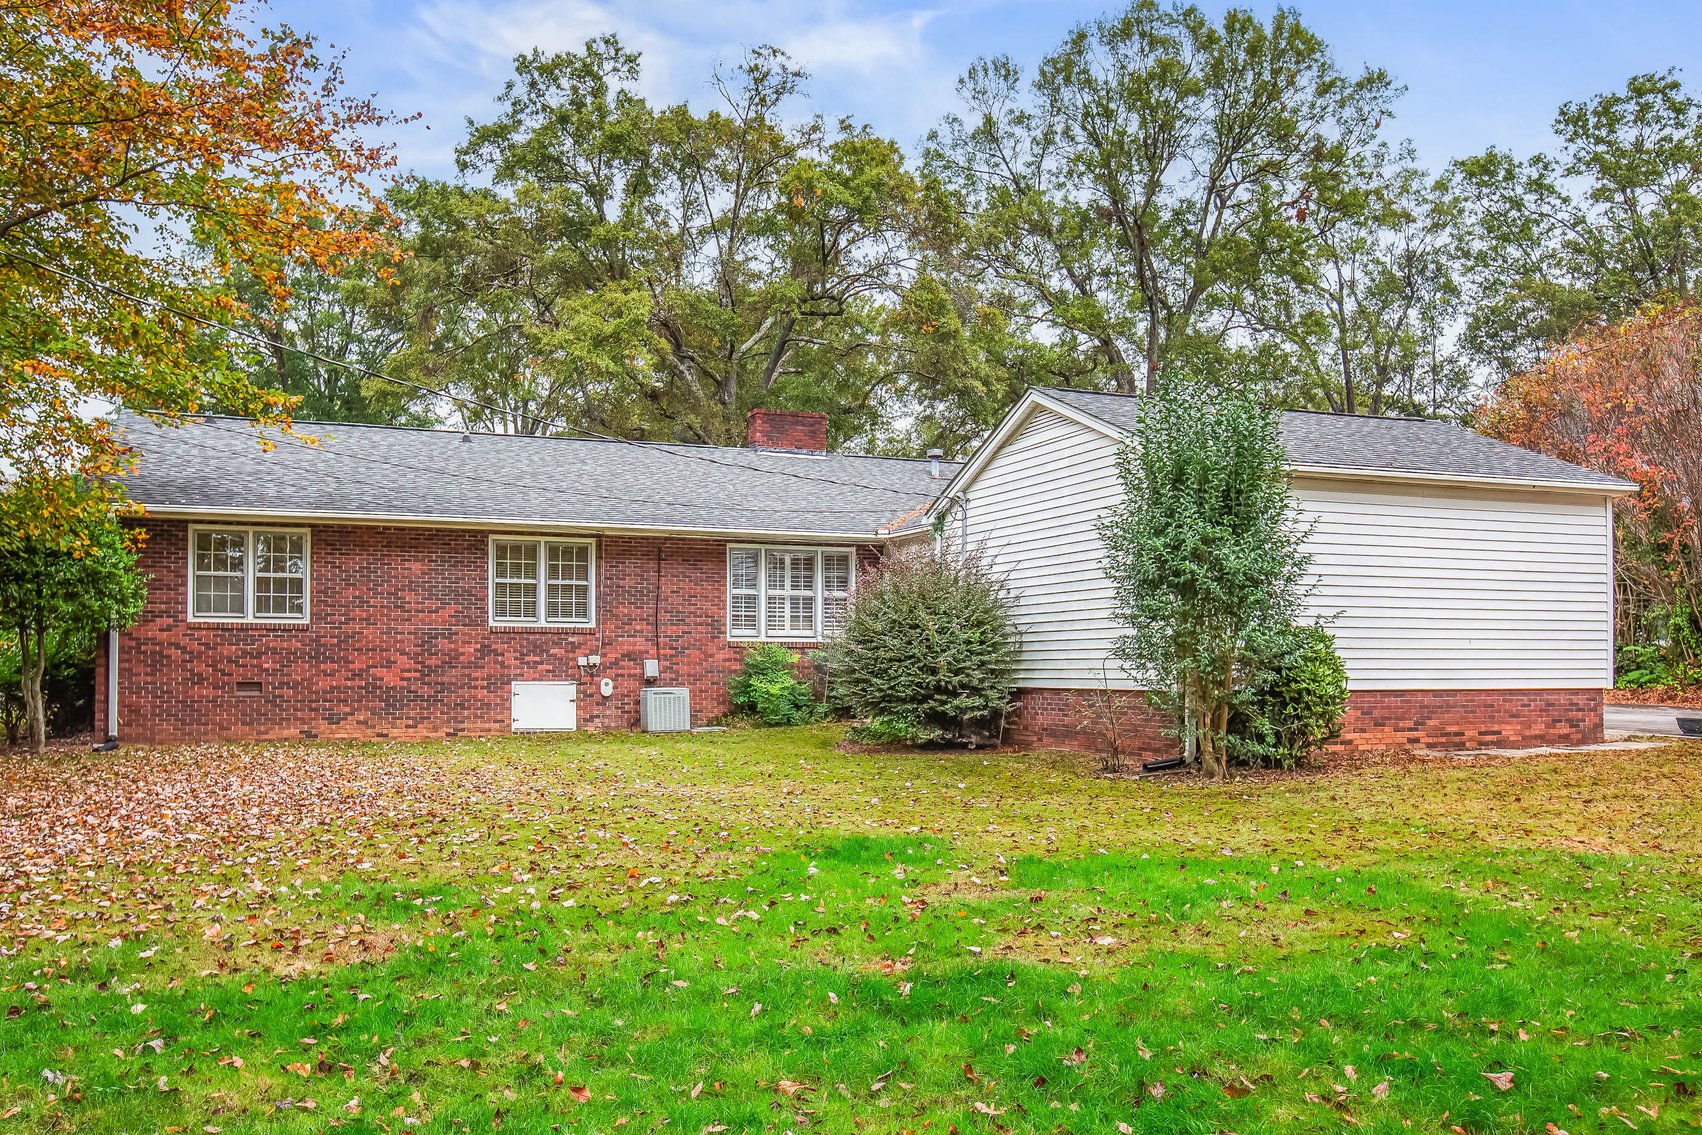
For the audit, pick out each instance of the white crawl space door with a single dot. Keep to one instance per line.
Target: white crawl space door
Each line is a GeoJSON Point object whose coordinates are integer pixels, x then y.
{"type": "Point", "coordinates": [543, 707]}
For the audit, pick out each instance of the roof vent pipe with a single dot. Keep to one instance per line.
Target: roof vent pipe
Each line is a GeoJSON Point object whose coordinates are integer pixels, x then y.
{"type": "Point", "coordinates": [934, 456]}
{"type": "Point", "coordinates": [466, 435]}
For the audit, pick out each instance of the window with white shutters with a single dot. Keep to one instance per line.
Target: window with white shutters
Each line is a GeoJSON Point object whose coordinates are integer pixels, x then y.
{"type": "Point", "coordinates": [789, 594]}
{"type": "Point", "coordinates": [541, 581]}
{"type": "Point", "coordinates": [744, 592]}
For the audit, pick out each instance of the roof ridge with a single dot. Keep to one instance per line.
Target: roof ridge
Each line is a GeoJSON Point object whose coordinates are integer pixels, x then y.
{"type": "Point", "coordinates": [1280, 409]}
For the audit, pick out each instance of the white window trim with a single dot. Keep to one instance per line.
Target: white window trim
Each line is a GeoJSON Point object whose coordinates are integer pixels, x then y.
{"type": "Point", "coordinates": [762, 589]}
{"type": "Point", "coordinates": [248, 574]}
{"type": "Point", "coordinates": [542, 542]}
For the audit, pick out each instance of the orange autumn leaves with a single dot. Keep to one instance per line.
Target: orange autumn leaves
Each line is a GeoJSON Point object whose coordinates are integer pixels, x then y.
{"type": "Point", "coordinates": [1627, 399]}
{"type": "Point", "coordinates": [149, 149]}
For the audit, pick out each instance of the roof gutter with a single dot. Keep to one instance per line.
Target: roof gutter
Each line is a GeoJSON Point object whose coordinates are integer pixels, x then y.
{"type": "Point", "coordinates": [491, 523]}
{"type": "Point", "coordinates": [1472, 480]}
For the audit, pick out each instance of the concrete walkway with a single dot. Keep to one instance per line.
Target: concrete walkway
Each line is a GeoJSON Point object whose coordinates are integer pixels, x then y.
{"type": "Point", "coordinates": [1662, 720]}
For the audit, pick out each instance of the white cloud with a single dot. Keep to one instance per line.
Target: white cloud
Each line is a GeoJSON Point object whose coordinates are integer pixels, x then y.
{"type": "Point", "coordinates": [863, 47]}
{"type": "Point", "coordinates": [449, 58]}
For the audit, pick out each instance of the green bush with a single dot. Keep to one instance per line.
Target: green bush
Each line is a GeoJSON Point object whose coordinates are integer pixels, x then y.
{"type": "Point", "coordinates": [895, 730]}
{"type": "Point", "coordinates": [767, 688]}
{"type": "Point", "coordinates": [1643, 666]}
{"type": "Point", "coordinates": [1294, 703]}
{"type": "Point", "coordinates": [927, 652]}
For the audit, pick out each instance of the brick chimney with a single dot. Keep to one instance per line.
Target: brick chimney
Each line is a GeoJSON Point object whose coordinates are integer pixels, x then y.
{"type": "Point", "coordinates": [802, 431]}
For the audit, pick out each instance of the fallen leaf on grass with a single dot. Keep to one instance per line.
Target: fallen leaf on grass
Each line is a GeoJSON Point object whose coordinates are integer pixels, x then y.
{"type": "Point", "coordinates": [1503, 1081]}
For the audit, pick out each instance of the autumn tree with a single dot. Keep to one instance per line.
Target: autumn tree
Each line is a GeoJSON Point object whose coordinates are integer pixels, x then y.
{"type": "Point", "coordinates": [148, 150]}
{"type": "Point", "coordinates": [1150, 178]}
{"type": "Point", "coordinates": [67, 572]}
{"type": "Point", "coordinates": [1608, 221]}
{"type": "Point", "coordinates": [1626, 398]}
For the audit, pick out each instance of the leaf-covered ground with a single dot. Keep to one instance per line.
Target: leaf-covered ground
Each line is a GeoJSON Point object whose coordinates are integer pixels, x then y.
{"type": "Point", "coordinates": [752, 931]}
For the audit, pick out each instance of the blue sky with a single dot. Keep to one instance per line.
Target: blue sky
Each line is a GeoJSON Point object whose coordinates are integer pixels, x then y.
{"type": "Point", "coordinates": [1490, 72]}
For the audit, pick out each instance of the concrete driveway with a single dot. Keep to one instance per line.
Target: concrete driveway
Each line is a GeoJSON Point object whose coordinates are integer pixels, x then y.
{"type": "Point", "coordinates": [1659, 719]}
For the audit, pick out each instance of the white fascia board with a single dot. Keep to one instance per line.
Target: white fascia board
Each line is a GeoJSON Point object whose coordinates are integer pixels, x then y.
{"type": "Point", "coordinates": [502, 524]}
{"type": "Point", "coordinates": [1468, 480]}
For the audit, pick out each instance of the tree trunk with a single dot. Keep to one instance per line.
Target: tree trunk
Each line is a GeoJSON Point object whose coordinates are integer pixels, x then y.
{"type": "Point", "coordinates": [1350, 397]}
{"type": "Point", "coordinates": [33, 656]}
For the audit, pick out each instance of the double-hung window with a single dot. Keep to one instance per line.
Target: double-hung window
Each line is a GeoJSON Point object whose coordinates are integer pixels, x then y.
{"type": "Point", "coordinates": [798, 594]}
{"type": "Point", "coordinates": [542, 582]}
{"type": "Point", "coordinates": [248, 574]}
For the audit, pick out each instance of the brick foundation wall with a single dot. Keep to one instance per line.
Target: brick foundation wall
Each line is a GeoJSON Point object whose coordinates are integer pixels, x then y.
{"type": "Point", "coordinates": [1376, 719]}
{"type": "Point", "coordinates": [399, 642]}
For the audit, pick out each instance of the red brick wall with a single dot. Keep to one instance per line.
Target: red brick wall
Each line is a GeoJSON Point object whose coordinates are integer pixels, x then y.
{"type": "Point", "coordinates": [787, 429]}
{"type": "Point", "coordinates": [1472, 719]}
{"type": "Point", "coordinates": [1074, 719]}
{"type": "Point", "coordinates": [1435, 719]}
{"type": "Point", "coordinates": [399, 643]}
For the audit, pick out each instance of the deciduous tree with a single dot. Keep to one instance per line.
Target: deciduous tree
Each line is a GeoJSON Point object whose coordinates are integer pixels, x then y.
{"type": "Point", "coordinates": [1626, 398]}
{"type": "Point", "coordinates": [654, 271]}
{"type": "Point", "coordinates": [1611, 220]}
{"type": "Point", "coordinates": [67, 571]}
{"type": "Point", "coordinates": [1151, 177]}
{"type": "Point", "coordinates": [148, 150]}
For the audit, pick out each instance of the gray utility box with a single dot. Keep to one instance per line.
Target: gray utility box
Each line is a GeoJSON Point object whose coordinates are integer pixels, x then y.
{"type": "Point", "coordinates": [664, 710]}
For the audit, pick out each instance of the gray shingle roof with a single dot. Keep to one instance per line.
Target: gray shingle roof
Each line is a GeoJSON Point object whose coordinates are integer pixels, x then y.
{"type": "Point", "coordinates": [216, 465]}
{"type": "Point", "coordinates": [1394, 445]}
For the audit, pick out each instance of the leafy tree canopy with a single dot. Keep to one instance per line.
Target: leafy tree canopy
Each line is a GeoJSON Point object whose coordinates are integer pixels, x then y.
{"type": "Point", "coordinates": [147, 152]}
{"type": "Point", "coordinates": [1611, 219]}
{"type": "Point", "coordinates": [1131, 199]}
{"type": "Point", "coordinates": [656, 272]}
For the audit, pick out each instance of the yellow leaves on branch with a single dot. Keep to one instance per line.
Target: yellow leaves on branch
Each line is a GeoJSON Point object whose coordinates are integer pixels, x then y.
{"type": "Point", "coordinates": [178, 115]}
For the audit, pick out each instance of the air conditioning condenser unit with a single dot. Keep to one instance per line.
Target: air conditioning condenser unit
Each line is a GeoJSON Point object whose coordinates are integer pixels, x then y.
{"type": "Point", "coordinates": [664, 710]}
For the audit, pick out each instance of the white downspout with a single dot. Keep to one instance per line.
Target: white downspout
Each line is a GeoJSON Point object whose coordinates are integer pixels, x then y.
{"type": "Point", "coordinates": [112, 685]}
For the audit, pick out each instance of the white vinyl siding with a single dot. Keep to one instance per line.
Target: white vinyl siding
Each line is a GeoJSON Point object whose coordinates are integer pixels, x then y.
{"type": "Point", "coordinates": [787, 594]}
{"type": "Point", "coordinates": [248, 574]}
{"type": "Point", "coordinates": [1034, 512]}
{"type": "Point", "coordinates": [1433, 588]}
{"type": "Point", "coordinates": [542, 582]}
{"type": "Point", "coordinates": [1429, 587]}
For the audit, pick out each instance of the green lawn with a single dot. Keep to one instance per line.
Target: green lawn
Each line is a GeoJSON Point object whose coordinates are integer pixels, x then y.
{"type": "Point", "coordinates": [754, 932]}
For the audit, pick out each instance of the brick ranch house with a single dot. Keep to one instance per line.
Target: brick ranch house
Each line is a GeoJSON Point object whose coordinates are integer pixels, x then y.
{"type": "Point", "coordinates": [389, 582]}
